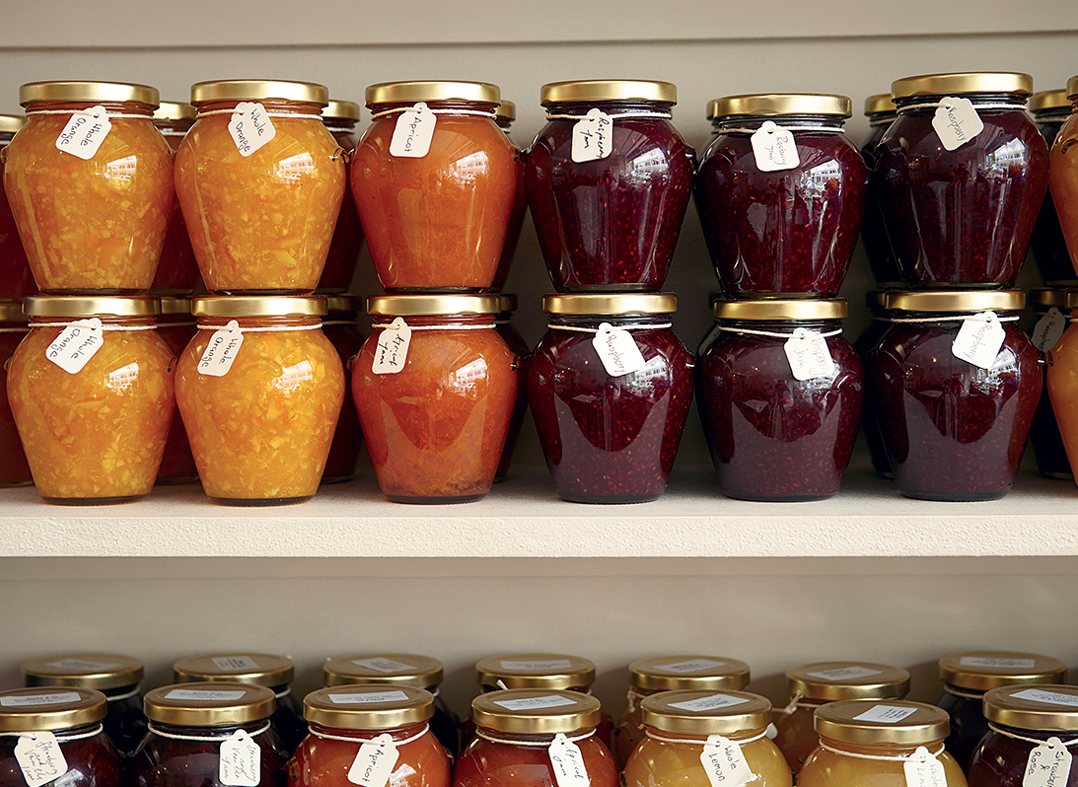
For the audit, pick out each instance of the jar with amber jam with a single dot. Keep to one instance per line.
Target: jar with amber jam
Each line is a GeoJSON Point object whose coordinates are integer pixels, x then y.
{"type": "Point", "coordinates": [177, 327]}
{"type": "Point", "coordinates": [340, 117]}
{"type": "Point", "coordinates": [260, 389]}
{"type": "Point", "coordinates": [13, 468]}
{"type": "Point", "coordinates": [260, 181]}
{"type": "Point", "coordinates": [91, 390]}
{"type": "Point", "coordinates": [341, 327]}
{"type": "Point", "coordinates": [435, 181]}
{"type": "Point", "coordinates": [89, 181]}
{"type": "Point", "coordinates": [1051, 109]}
{"type": "Point", "coordinates": [177, 272]}
{"type": "Point", "coordinates": [16, 280]}
{"type": "Point", "coordinates": [1063, 174]}
{"type": "Point", "coordinates": [1049, 312]}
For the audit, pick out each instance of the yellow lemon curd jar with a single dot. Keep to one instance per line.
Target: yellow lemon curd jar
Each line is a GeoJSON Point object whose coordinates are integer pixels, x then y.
{"type": "Point", "coordinates": [95, 223]}
{"type": "Point", "coordinates": [260, 389]}
{"type": "Point", "coordinates": [91, 390]}
{"type": "Point", "coordinates": [260, 181]}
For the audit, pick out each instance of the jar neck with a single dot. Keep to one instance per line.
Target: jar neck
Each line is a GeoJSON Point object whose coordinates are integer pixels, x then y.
{"type": "Point", "coordinates": [112, 107]}
{"type": "Point", "coordinates": [531, 740]}
{"type": "Point", "coordinates": [339, 124]}
{"type": "Point", "coordinates": [987, 101]}
{"type": "Point", "coordinates": [882, 119]}
{"type": "Point", "coordinates": [274, 106]}
{"type": "Point", "coordinates": [77, 732]}
{"type": "Point", "coordinates": [1055, 114]}
{"type": "Point", "coordinates": [701, 738]}
{"type": "Point", "coordinates": [616, 320]}
{"type": "Point", "coordinates": [110, 321]}
{"type": "Point", "coordinates": [827, 123]}
{"type": "Point", "coordinates": [286, 321]}
{"type": "Point", "coordinates": [882, 751]}
{"type": "Point", "coordinates": [383, 321]}
{"type": "Point", "coordinates": [1068, 737]}
{"type": "Point", "coordinates": [174, 126]}
{"type": "Point", "coordinates": [782, 326]}
{"type": "Point", "coordinates": [441, 107]}
{"type": "Point", "coordinates": [398, 734]}
{"type": "Point", "coordinates": [208, 733]}
{"type": "Point", "coordinates": [628, 108]}
{"type": "Point", "coordinates": [900, 315]}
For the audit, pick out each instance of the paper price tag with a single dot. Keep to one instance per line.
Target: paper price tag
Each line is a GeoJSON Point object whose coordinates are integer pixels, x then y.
{"type": "Point", "coordinates": [988, 661]}
{"type": "Point", "coordinates": [241, 761]}
{"type": "Point", "coordinates": [617, 350]}
{"type": "Point", "coordinates": [33, 700]}
{"type": "Point", "coordinates": [78, 665]}
{"type": "Point", "coordinates": [413, 133]}
{"type": "Point", "coordinates": [1047, 697]}
{"type": "Point", "coordinates": [703, 704]}
{"type": "Point", "coordinates": [250, 127]}
{"type": "Point", "coordinates": [39, 758]}
{"type": "Point", "coordinates": [529, 703]}
{"type": "Point", "coordinates": [725, 763]}
{"type": "Point", "coordinates": [885, 714]}
{"type": "Point", "coordinates": [374, 762]}
{"type": "Point", "coordinates": [1048, 765]}
{"type": "Point", "coordinates": [1044, 337]}
{"type": "Point", "coordinates": [382, 665]}
{"type": "Point", "coordinates": [234, 663]}
{"type": "Point", "coordinates": [84, 133]}
{"type": "Point", "coordinates": [844, 673]}
{"type": "Point", "coordinates": [774, 148]}
{"type": "Point", "coordinates": [979, 340]}
{"type": "Point", "coordinates": [221, 351]}
{"type": "Point", "coordinates": [593, 137]}
{"type": "Point", "coordinates": [809, 355]}
{"type": "Point", "coordinates": [205, 695]}
{"type": "Point", "coordinates": [956, 122]}
{"type": "Point", "coordinates": [696, 665]}
{"type": "Point", "coordinates": [368, 696]}
{"type": "Point", "coordinates": [76, 345]}
{"type": "Point", "coordinates": [392, 351]}
{"type": "Point", "coordinates": [567, 763]}
{"type": "Point", "coordinates": [922, 769]}
{"type": "Point", "coordinates": [537, 666]}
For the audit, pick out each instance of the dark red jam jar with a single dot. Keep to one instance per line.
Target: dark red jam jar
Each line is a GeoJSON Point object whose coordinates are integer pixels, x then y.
{"type": "Point", "coordinates": [954, 430]}
{"type": "Point", "coordinates": [961, 216]}
{"type": "Point", "coordinates": [868, 339]}
{"type": "Point", "coordinates": [504, 115]}
{"type": "Point", "coordinates": [14, 471]}
{"type": "Point", "coordinates": [177, 272]}
{"type": "Point", "coordinates": [1050, 109]}
{"type": "Point", "coordinates": [16, 280]}
{"type": "Point", "coordinates": [177, 327]}
{"type": "Point", "coordinates": [503, 324]}
{"type": "Point", "coordinates": [341, 327]}
{"type": "Point", "coordinates": [780, 192]}
{"type": "Point", "coordinates": [881, 113]}
{"type": "Point", "coordinates": [1051, 310]}
{"type": "Point", "coordinates": [779, 392]}
{"type": "Point", "coordinates": [968, 676]}
{"type": "Point", "coordinates": [610, 429]}
{"type": "Point", "coordinates": [608, 181]}
{"type": "Point", "coordinates": [340, 117]}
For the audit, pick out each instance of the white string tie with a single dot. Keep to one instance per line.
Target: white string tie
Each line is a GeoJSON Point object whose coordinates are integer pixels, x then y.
{"type": "Point", "coordinates": [969, 695]}
{"type": "Point", "coordinates": [794, 703]}
{"type": "Point", "coordinates": [168, 132]}
{"type": "Point", "coordinates": [398, 110]}
{"type": "Point", "coordinates": [347, 739]}
{"type": "Point", "coordinates": [201, 738]}
{"type": "Point", "coordinates": [630, 327]}
{"type": "Point", "coordinates": [104, 326]}
{"type": "Point", "coordinates": [126, 695]}
{"type": "Point", "coordinates": [438, 327]}
{"type": "Point", "coordinates": [812, 129]}
{"type": "Point", "coordinates": [957, 318]}
{"type": "Point", "coordinates": [703, 741]}
{"type": "Point", "coordinates": [86, 111]}
{"type": "Point", "coordinates": [15, 330]}
{"type": "Point", "coordinates": [878, 757]}
{"type": "Point", "coordinates": [626, 114]}
{"type": "Point", "coordinates": [775, 335]}
{"type": "Point", "coordinates": [283, 693]}
{"type": "Point", "coordinates": [60, 735]}
{"type": "Point", "coordinates": [978, 107]}
{"type": "Point", "coordinates": [340, 322]}
{"type": "Point", "coordinates": [264, 329]}
{"type": "Point", "coordinates": [632, 695]}
{"type": "Point", "coordinates": [487, 735]}
{"type": "Point", "coordinates": [1037, 741]}
{"type": "Point", "coordinates": [294, 115]}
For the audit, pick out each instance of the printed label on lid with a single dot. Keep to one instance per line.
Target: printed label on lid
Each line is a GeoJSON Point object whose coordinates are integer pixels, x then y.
{"type": "Point", "coordinates": [537, 666]}
{"type": "Point", "coordinates": [78, 665]}
{"type": "Point", "coordinates": [39, 758]}
{"type": "Point", "coordinates": [979, 339]}
{"type": "Point", "coordinates": [593, 137]}
{"type": "Point", "coordinates": [234, 663]}
{"type": "Point", "coordinates": [392, 351]}
{"type": "Point", "coordinates": [241, 761]}
{"type": "Point", "coordinates": [567, 763]}
{"type": "Point", "coordinates": [1048, 765]}
{"type": "Point", "coordinates": [369, 696]}
{"type": "Point", "coordinates": [709, 703]}
{"type": "Point", "coordinates": [956, 122]}
{"type": "Point", "coordinates": [617, 350]}
{"type": "Point", "coordinates": [885, 714]}
{"type": "Point", "coordinates": [1047, 697]}
{"type": "Point", "coordinates": [922, 769]}
{"type": "Point", "coordinates": [1044, 337]}
{"type": "Point", "coordinates": [76, 345]}
{"type": "Point", "coordinates": [413, 132]}
{"type": "Point", "coordinates": [250, 127]}
{"type": "Point", "coordinates": [84, 133]}
{"type": "Point", "coordinates": [982, 661]}
{"type": "Point", "coordinates": [374, 762]}
{"type": "Point", "coordinates": [774, 148]}
{"type": "Point", "coordinates": [696, 665]}
{"type": "Point", "coordinates": [844, 673]}
{"type": "Point", "coordinates": [387, 666]}
{"type": "Point", "coordinates": [221, 352]}
{"type": "Point", "coordinates": [205, 695]}
{"type": "Point", "coordinates": [536, 703]}
{"type": "Point", "coordinates": [725, 763]}
{"type": "Point", "coordinates": [809, 355]}
{"type": "Point", "coordinates": [30, 700]}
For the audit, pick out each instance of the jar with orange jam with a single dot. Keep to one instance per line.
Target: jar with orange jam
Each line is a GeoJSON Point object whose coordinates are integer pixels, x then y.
{"type": "Point", "coordinates": [13, 468]}
{"type": "Point", "coordinates": [340, 117]}
{"type": "Point", "coordinates": [435, 181]}
{"type": "Point", "coordinates": [177, 327]}
{"type": "Point", "coordinates": [341, 327]}
{"type": "Point", "coordinates": [177, 272]}
{"type": "Point", "coordinates": [1063, 174]}
{"type": "Point", "coordinates": [16, 280]}
{"type": "Point", "coordinates": [91, 390]}
{"type": "Point", "coordinates": [260, 181]}
{"type": "Point", "coordinates": [260, 389]}
{"type": "Point", "coordinates": [434, 387]}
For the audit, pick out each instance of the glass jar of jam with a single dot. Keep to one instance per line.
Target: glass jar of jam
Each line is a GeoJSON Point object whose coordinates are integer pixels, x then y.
{"type": "Point", "coordinates": [341, 327]}
{"type": "Point", "coordinates": [1063, 175]}
{"type": "Point", "coordinates": [340, 117]}
{"type": "Point", "coordinates": [16, 280]}
{"type": "Point", "coordinates": [13, 468]}
{"type": "Point", "coordinates": [1050, 312]}
{"type": "Point", "coordinates": [881, 113]}
{"type": "Point", "coordinates": [1050, 110]}
{"type": "Point", "coordinates": [434, 387]}
{"type": "Point", "coordinates": [503, 324]}
{"type": "Point", "coordinates": [780, 192]}
{"type": "Point", "coordinates": [504, 115]}
{"type": "Point", "coordinates": [91, 390]}
{"type": "Point", "coordinates": [954, 429]}
{"type": "Point", "coordinates": [434, 180]}
{"type": "Point", "coordinates": [779, 393]}
{"type": "Point", "coordinates": [57, 733]}
{"type": "Point", "coordinates": [177, 328]}
{"type": "Point", "coordinates": [668, 673]}
{"type": "Point", "coordinates": [114, 675]}
{"type": "Point", "coordinates": [959, 203]}
{"type": "Point", "coordinates": [968, 676]}
{"type": "Point", "coordinates": [869, 338]}
{"type": "Point", "coordinates": [260, 389]}
{"type": "Point", "coordinates": [260, 181]}
{"type": "Point", "coordinates": [89, 180]}
{"type": "Point", "coordinates": [177, 272]}
{"type": "Point", "coordinates": [610, 423]}
{"type": "Point", "coordinates": [608, 181]}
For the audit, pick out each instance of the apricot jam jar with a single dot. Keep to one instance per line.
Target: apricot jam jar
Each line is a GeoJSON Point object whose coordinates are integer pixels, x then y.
{"type": "Point", "coordinates": [960, 176]}
{"type": "Point", "coordinates": [504, 115]}
{"type": "Point", "coordinates": [813, 685]}
{"type": "Point", "coordinates": [177, 327]}
{"type": "Point", "coordinates": [89, 180]}
{"type": "Point", "coordinates": [881, 113]}
{"type": "Point", "coordinates": [341, 327]}
{"type": "Point", "coordinates": [340, 117]}
{"type": "Point", "coordinates": [260, 181]}
{"type": "Point", "coordinates": [503, 324]}
{"type": "Point", "coordinates": [13, 468]}
{"type": "Point", "coordinates": [434, 180]}
{"type": "Point", "coordinates": [260, 390]}
{"type": "Point", "coordinates": [1050, 314]}
{"type": "Point", "coordinates": [434, 387]}
{"type": "Point", "coordinates": [177, 272]}
{"type": "Point", "coordinates": [608, 181]}
{"type": "Point", "coordinates": [780, 192]}
{"type": "Point", "coordinates": [91, 390]}
{"type": "Point", "coordinates": [16, 280]}
{"type": "Point", "coordinates": [779, 392]}
{"type": "Point", "coordinates": [1050, 110]}
{"type": "Point", "coordinates": [1063, 175]}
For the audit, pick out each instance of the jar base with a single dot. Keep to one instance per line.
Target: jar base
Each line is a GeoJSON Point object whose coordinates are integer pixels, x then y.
{"type": "Point", "coordinates": [434, 501]}
{"type": "Point", "coordinates": [616, 500]}
{"type": "Point", "coordinates": [338, 479]}
{"type": "Point", "coordinates": [778, 498]}
{"type": "Point", "coordinates": [955, 285]}
{"type": "Point", "coordinates": [436, 290]}
{"type": "Point", "coordinates": [13, 484]}
{"type": "Point", "coordinates": [1058, 475]}
{"type": "Point", "coordinates": [259, 501]}
{"type": "Point", "coordinates": [92, 501]}
{"type": "Point", "coordinates": [959, 497]}
{"type": "Point", "coordinates": [270, 293]}
{"type": "Point", "coordinates": [177, 480]}
{"type": "Point", "coordinates": [583, 289]}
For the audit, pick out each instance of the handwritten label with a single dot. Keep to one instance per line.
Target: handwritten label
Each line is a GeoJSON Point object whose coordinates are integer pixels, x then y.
{"type": "Point", "coordinates": [809, 355]}
{"type": "Point", "coordinates": [1044, 337]}
{"type": "Point", "coordinates": [536, 703]}
{"type": "Point", "coordinates": [1048, 765]}
{"type": "Point", "coordinates": [234, 663]}
{"type": "Point", "coordinates": [844, 673]}
{"type": "Point", "coordinates": [391, 353]}
{"type": "Point", "coordinates": [922, 769]}
{"type": "Point", "coordinates": [205, 695]}
{"type": "Point", "coordinates": [78, 665]}
{"type": "Point", "coordinates": [1047, 697]}
{"type": "Point", "coordinates": [369, 696]}
{"type": "Point", "coordinates": [885, 714]}
{"type": "Point", "coordinates": [76, 345]}
{"type": "Point", "coordinates": [725, 763]}
{"type": "Point", "coordinates": [250, 127]}
{"type": "Point", "coordinates": [979, 339]}
{"type": "Point", "coordinates": [774, 148]}
{"type": "Point", "coordinates": [221, 351]}
{"type": "Point", "coordinates": [374, 762]}
{"type": "Point", "coordinates": [713, 702]}
{"type": "Point", "coordinates": [383, 665]}
{"type": "Point", "coordinates": [956, 122]}
{"type": "Point", "coordinates": [567, 763]}
{"type": "Point", "coordinates": [31, 700]}
{"type": "Point", "coordinates": [617, 350]}
{"type": "Point", "coordinates": [696, 665]}
{"type": "Point", "coordinates": [537, 666]}
{"type": "Point", "coordinates": [593, 137]}
{"type": "Point", "coordinates": [84, 133]}
{"type": "Point", "coordinates": [39, 758]}
{"type": "Point", "coordinates": [413, 133]}
{"type": "Point", "coordinates": [241, 761]}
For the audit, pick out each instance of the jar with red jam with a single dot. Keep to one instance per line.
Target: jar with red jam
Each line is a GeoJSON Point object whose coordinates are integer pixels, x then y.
{"type": "Point", "coordinates": [1063, 175]}
{"type": "Point", "coordinates": [434, 387]}
{"type": "Point", "coordinates": [341, 327]}
{"type": "Point", "coordinates": [434, 180]}
{"type": "Point", "coordinates": [954, 384]}
{"type": "Point", "coordinates": [780, 192]}
{"type": "Point", "coordinates": [881, 113]}
{"type": "Point", "coordinates": [609, 387]}
{"type": "Point", "coordinates": [260, 181]}
{"type": "Point", "coordinates": [1050, 309]}
{"type": "Point", "coordinates": [177, 272]}
{"type": "Point", "coordinates": [869, 338]}
{"type": "Point", "coordinates": [969, 676]}
{"type": "Point", "coordinates": [779, 392]}
{"type": "Point", "coordinates": [91, 391]}
{"type": "Point", "coordinates": [503, 323]}
{"type": "Point", "coordinates": [89, 180]}
{"type": "Point", "coordinates": [14, 471]}
{"type": "Point", "coordinates": [608, 181]}
{"type": "Point", "coordinates": [177, 327]}
{"type": "Point", "coordinates": [960, 176]}
{"type": "Point", "coordinates": [504, 115]}
{"type": "Point", "coordinates": [1050, 109]}
{"type": "Point", "coordinates": [340, 117]}
{"type": "Point", "coordinates": [16, 280]}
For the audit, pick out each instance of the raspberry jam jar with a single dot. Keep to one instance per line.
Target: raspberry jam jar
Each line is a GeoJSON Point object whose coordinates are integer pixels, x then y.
{"type": "Point", "coordinates": [968, 676]}
{"type": "Point", "coordinates": [260, 389]}
{"type": "Point", "coordinates": [177, 271]}
{"type": "Point", "coordinates": [881, 113]}
{"type": "Point", "coordinates": [434, 387]}
{"type": "Point", "coordinates": [954, 429]}
{"type": "Point", "coordinates": [1051, 109]}
{"type": "Point", "coordinates": [13, 468]}
{"type": "Point", "coordinates": [781, 217]}
{"type": "Point", "coordinates": [668, 673]}
{"type": "Point", "coordinates": [610, 424]}
{"type": "Point", "coordinates": [503, 324]}
{"type": "Point", "coordinates": [814, 685]}
{"type": "Point", "coordinates": [92, 220]}
{"type": "Point", "coordinates": [16, 280]}
{"type": "Point", "coordinates": [779, 392]}
{"type": "Point", "coordinates": [869, 338]}
{"type": "Point", "coordinates": [608, 181]}
{"type": "Point", "coordinates": [504, 115]}
{"type": "Point", "coordinates": [961, 216]}
{"type": "Point", "coordinates": [260, 181]}
{"type": "Point", "coordinates": [1051, 309]}
{"type": "Point", "coordinates": [340, 117]}
{"type": "Point", "coordinates": [177, 327]}
{"type": "Point", "coordinates": [91, 390]}
{"type": "Point", "coordinates": [341, 327]}
{"type": "Point", "coordinates": [435, 221]}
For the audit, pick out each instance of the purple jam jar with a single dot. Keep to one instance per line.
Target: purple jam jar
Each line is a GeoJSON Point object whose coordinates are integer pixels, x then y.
{"type": "Point", "coordinates": [962, 216]}
{"type": "Point", "coordinates": [610, 436]}
{"type": "Point", "coordinates": [780, 428]}
{"type": "Point", "coordinates": [1051, 309]}
{"type": "Point", "coordinates": [881, 113]}
{"type": "Point", "coordinates": [341, 327]}
{"type": "Point", "coordinates": [340, 118]}
{"type": "Point", "coordinates": [503, 324]}
{"type": "Point", "coordinates": [608, 206]}
{"type": "Point", "coordinates": [869, 338]}
{"type": "Point", "coordinates": [788, 224]}
{"type": "Point", "coordinates": [954, 430]}
{"type": "Point", "coordinates": [1051, 109]}
{"type": "Point", "coordinates": [504, 115]}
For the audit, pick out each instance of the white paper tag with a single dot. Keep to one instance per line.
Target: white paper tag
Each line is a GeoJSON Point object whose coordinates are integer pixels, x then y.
{"type": "Point", "coordinates": [387, 666]}
{"type": "Point", "coordinates": [1047, 697]}
{"type": "Point", "coordinates": [250, 127]}
{"type": "Point", "coordinates": [84, 133]}
{"type": "Point", "coordinates": [368, 696]}
{"type": "Point", "coordinates": [241, 761]}
{"type": "Point", "coordinates": [809, 355]}
{"type": "Point", "coordinates": [221, 352]}
{"type": "Point", "coordinates": [205, 695]}
{"type": "Point", "coordinates": [922, 769]}
{"type": "Point", "coordinates": [537, 666]}
{"type": "Point", "coordinates": [844, 673]}
{"type": "Point", "coordinates": [413, 133]}
{"type": "Point", "coordinates": [774, 148]}
{"type": "Point", "coordinates": [979, 339]}
{"type": "Point", "coordinates": [567, 763]}
{"type": "Point", "coordinates": [234, 663]}
{"type": "Point", "coordinates": [1048, 765]}
{"type": "Point", "coordinates": [78, 665]}
{"type": "Point", "coordinates": [551, 701]}
{"type": "Point", "coordinates": [32, 700]}
{"type": "Point", "coordinates": [885, 714]}
{"type": "Point", "coordinates": [392, 351]}
{"type": "Point", "coordinates": [725, 763]}
{"type": "Point", "coordinates": [76, 345]}
{"type": "Point", "coordinates": [374, 762]}
{"type": "Point", "coordinates": [983, 661]}
{"type": "Point", "coordinates": [1044, 337]}
{"type": "Point", "coordinates": [956, 122]}
{"type": "Point", "coordinates": [708, 703]}
{"type": "Point", "coordinates": [39, 758]}
{"type": "Point", "coordinates": [593, 137]}
{"type": "Point", "coordinates": [617, 350]}
{"type": "Point", "coordinates": [696, 665]}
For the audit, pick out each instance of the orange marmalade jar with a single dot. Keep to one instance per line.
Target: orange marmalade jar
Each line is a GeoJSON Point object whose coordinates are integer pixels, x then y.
{"type": "Point", "coordinates": [434, 387]}
{"type": "Point", "coordinates": [89, 180]}
{"type": "Point", "coordinates": [177, 273]}
{"type": "Point", "coordinates": [16, 281]}
{"type": "Point", "coordinates": [434, 218]}
{"type": "Point", "coordinates": [260, 182]}
{"type": "Point", "coordinates": [259, 389]}
{"type": "Point", "coordinates": [13, 468]}
{"type": "Point", "coordinates": [176, 327]}
{"type": "Point", "coordinates": [340, 117]}
{"type": "Point", "coordinates": [91, 389]}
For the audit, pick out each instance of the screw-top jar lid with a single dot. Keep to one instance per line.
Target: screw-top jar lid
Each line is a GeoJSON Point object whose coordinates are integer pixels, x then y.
{"type": "Point", "coordinates": [214, 704]}
{"type": "Point", "coordinates": [1051, 296]}
{"type": "Point", "coordinates": [848, 680]}
{"type": "Point", "coordinates": [411, 92]}
{"type": "Point", "coordinates": [397, 669]}
{"type": "Point", "coordinates": [50, 708]}
{"type": "Point", "coordinates": [340, 305]}
{"type": "Point", "coordinates": [261, 669]}
{"type": "Point", "coordinates": [706, 712]}
{"type": "Point", "coordinates": [781, 309]}
{"type": "Point", "coordinates": [259, 90]}
{"type": "Point", "coordinates": [341, 110]}
{"type": "Point", "coordinates": [419, 305]}
{"type": "Point", "coordinates": [259, 306]}
{"type": "Point", "coordinates": [611, 303]}
{"type": "Point", "coordinates": [175, 304]}
{"type": "Point", "coordinates": [174, 110]}
{"type": "Point", "coordinates": [536, 711]}
{"type": "Point", "coordinates": [505, 112]}
{"type": "Point", "coordinates": [876, 300]}
{"type": "Point", "coordinates": [880, 104]}
{"type": "Point", "coordinates": [599, 90]}
{"type": "Point", "coordinates": [88, 92]}
{"type": "Point", "coordinates": [508, 304]}
{"type": "Point", "coordinates": [882, 723]}
{"type": "Point", "coordinates": [367, 707]}
{"type": "Point", "coordinates": [765, 104]}
{"type": "Point", "coordinates": [957, 84]}
{"type": "Point", "coordinates": [88, 670]}
{"type": "Point", "coordinates": [982, 670]}
{"type": "Point", "coordinates": [1072, 87]}
{"type": "Point", "coordinates": [11, 311]}
{"type": "Point", "coordinates": [665, 673]}
{"type": "Point", "coordinates": [536, 671]}
{"type": "Point", "coordinates": [1047, 707]}
{"type": "Point", "coordinates": [955, 300]}
{"type": "Point", "coordinates": [9, 124]}
{"type": "Point", "coordinates": [79, 306]}
{"type": "Point", "coordinates": [1046, 100]}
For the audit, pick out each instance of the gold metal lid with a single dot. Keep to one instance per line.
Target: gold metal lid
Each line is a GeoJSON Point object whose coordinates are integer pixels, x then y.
{"type": "Point", "coordinates": [955, 300]}
{"type": "Point", "coordinates": [848, 680]}
{"type": "Point", "coordinates": [982, 670]}
{"type": "Point", "coordinates": [88, 92]}
{"type": "Point", "coordinates": [536, 711]}
{"type": "Point", "coordinates": [368, 707]}
{"type": "Point", "coordinates": [258, 306]}
{"type": "Point", "coordinates": [535, 671]}
{"type": "Point", "coordinates": [336, 304]}
{"type": "Point", "coordinates": [341, 110]}
{"type": "Point", "coordinates": [397, 669]}
{"type": "Point", "coordinates": [880, 104]}
{"type": "Point", "coordinates": [506, 111]}
{"type": "Point", "coordinates": [9, 124]}
{"type": "Point", "coordinates": [79, 306]}
{"type": "Point", "coordinates": [419, 305]}
{"type": "Point", "coordinates": [259, 90]}
{"type": "Point", "coordinates": [261, 669]}
{"type": "Point", "coordinates": [175, 304]}
{"type": "Point", "coordinates": [1046, 707]}
{"type": "Point", "coordinates": [876, 299]}
{"type": "Point", "coordinates": [1072, 87]}
{"type": "Point", "coordinates": [875, 723]}
{"type": "Point", "coordinates": [508, 304]}
{"type": "Point", "coordinates": [611, 303]}
{"type": "Point", "coordinates": [88, 670]}
{"type": "Point", "coordinates": [11, 311]}
{"type": "Point", "coordinates": [1049, 99]}
{"type": "Point", "coordinates": [209, 705]}
{"type": "Point", "coordinates": [174, 110]}
{"type": "Point", "coordinates": [411, 92]}
{"type": "Point", "coordinates": [1052, 296]}
{"type": "Point", "coordinates": [597, 90]}
{"type": "Point", "coordinates": [665, 673]}
{"type": "Point", "coordinates": [705, 712]}
{"type": "Point", "coordinates": [50, 708]}
{"type": "Point", "coordinates": [764, 104]}
{"type": "Point", "coordinates": [781, 309]}
{"type": "Point", "coordinates": [970, 82]}
{"type": "Point", "coordinates": [713, 109]}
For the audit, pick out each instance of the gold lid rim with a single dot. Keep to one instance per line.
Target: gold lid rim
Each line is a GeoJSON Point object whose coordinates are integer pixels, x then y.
{"type": "Point", "coordinates": [78, 306]}
{"type": "Point", "coordinates": [411, 92]}
{"type": "Point", "coordinates": [259, 90]}
{"type": "Point", "coordinates": [423, 673]}
{"type": "Point", "coordinates": [432, 305]}
{"type": "Point", "coordinates": [962, 82]}
{"type": "Point", "coordinates": [565, 711]}
{"type": "Point", "coordinates": [749, 712]}
{"type": "Point", "coordinates": [1003, 707]}
{"type": "Point", "coordinates": [880, 104]}
{"type": "Point", "coordinates": [602, 90]}
{"type": "Point", "coordinates": [76, 91]}
{"type": "Point", "coordinates": [259, 306]}
{"type": "Point", "coordinates": [567, 672]}
{"type": "Point", "coordinates": [219, 707]}
{"type": "Point", "coordinates": [781, 309]}
{"type": "Point", "coordinates": [772, 104]}
{"type": "Point", "coordinates": [1072, 87]}
{"type": "Point", "coordinates": [599, 304]}
{"type": "Point", "coordinates": [1047, 100]}
{"type": "Point", "coordinates": [886, 681]}
{"type": "Point", "coordinates": [926, 724]}
{"type": "Point", "coordinates": [10, 124]}
{"type": "Point", "coordinates": [981, 677]}
{"type": "Point", "coordinates": [647, 674]}
{"type": "Point", "coordinates": [402, 706]}
{"type": "Point", "coordinates": [89, 670]}
{"type": "Point", "coordinates": [337, 109]}
{"type": "Point", "coordinates": [175, 111]}
{"type": "Point", "coordinates": [91, 706]}
{"type": "Point", "coordinates": [948, 301]}
{"type": "Point", "coordinates": [270, 670]}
